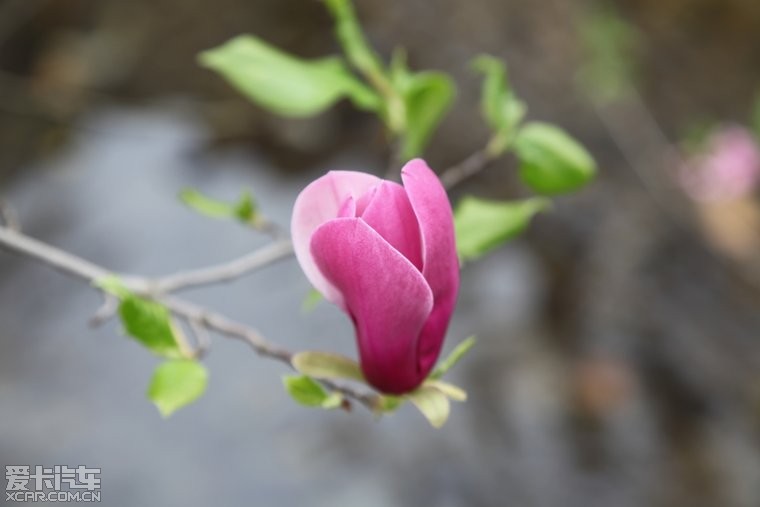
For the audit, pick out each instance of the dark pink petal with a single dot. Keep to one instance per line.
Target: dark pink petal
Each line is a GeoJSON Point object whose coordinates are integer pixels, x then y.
{"type": "Point", "coordinates": [390, 214]}
{"type": "Point", "coordinates": [323, 200]}
{"type": "Point", "coordinates": [440, 265]}
{"type": "Point", "coordinates": [386, 296]}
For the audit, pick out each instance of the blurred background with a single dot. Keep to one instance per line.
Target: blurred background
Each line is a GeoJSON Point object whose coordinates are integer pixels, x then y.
{"type": "Point", "coordinates": [619, 353]}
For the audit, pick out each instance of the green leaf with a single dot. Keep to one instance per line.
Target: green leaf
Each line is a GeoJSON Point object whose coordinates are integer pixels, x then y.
{"type": "Point", "coordinates": [482, 225]}
{"type": "Point", "coordinates": [306, 391]}
{"type": "Point", "coordinates": [450, 390]}
{"type": "Point", "coordinates": [244, 210]}
{"type": "Point", "coordinates": [499, 106]}
{"type": "Point", "coordinates": [454, 357]}
{"type": "Point", "coordinates": [285, 84]}
{"type": "Point", "coordinates": [149, 323]}
{"type": "Point", "coordinates": [552, 162]}
{"type": "Point", "coordinates": [177, 383]}
{"type": "Point", "coordinates": [428, 97]}
{"type": "Point", "coordinates": [433, 404]}
{"type": "Point", "coordinates": [312, 299]}
{"type": "Point", "coordinates": [327, 366]}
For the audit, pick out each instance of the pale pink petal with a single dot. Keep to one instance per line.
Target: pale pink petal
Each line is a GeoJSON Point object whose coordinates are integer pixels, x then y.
{"type": "Point", "coordinates": [440, 265]}
{"type": "Point", "coordinates": [386, 296]}
{"type": "Point", "coordinates": [348, 208]}
{"type": "Point", "coordinates": [320, 201]}
{"type": "Point", "coordinates": [390, 214]}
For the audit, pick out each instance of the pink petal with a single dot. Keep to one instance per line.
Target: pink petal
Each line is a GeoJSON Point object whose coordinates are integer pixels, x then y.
{"type": "Point", "coordinates": [390, 213]}
{"type": "Point", "coordinates": [323, 200]}
{"type": "Point", "coordinates": [440, 265]}
{"type": "Point", "coordinates": [348, 208]}
{"type": "Point", "coordinates": [386, 296]}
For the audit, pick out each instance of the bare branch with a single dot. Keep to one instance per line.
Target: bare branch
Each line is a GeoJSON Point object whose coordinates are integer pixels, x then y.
{"type": "Point", "coordinates": [228, 271]}
{"type": "Point", "coordinates": [468, 167]}
{"type": "Point", "coordinates": [65, 262]}
{"type": "Point", "coordinates": [77, 267]}
{"type": "Point", "coordinates": [202, 338]}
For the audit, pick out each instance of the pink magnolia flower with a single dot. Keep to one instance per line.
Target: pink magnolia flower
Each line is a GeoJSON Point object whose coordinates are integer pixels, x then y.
{"type": "Point", "coordinates": [386, 255]}
{"type": "Point", "coordinates": [728, 168]}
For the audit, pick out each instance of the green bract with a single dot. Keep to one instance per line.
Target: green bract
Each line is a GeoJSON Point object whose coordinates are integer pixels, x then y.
{"type": "Point", "coordinates": [432, 403]}
{"type": "Point", "coordinates": [327, 366]}
{"type": "Point", "coordinates": [453, 358]}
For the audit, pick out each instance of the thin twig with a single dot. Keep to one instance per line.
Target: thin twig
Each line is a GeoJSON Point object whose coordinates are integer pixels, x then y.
{"type": "Point", "coordinates": [468, 167]}
{"type": "Point", "coordinates": [77, 267]}
{"type": "Point", "coordinates": [395, 160]}
{"type": "Point", "coordinates": [106, 311]}
{"type": "Point", "coordinates": [202, 338]}
{"type": "Point", "coordinates": [226, 272]}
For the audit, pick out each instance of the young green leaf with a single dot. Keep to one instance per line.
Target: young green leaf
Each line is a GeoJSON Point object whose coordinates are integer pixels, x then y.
{"type": "Point", "coordinates": [428, 97]}
{"type": "Point", "coordinates": [177, 383]}
{"type": "Point", "coordinates": [306, 391]}
{"type": "Point", "coordinates": [483, 225]}
{"type": "Point", "coordinates": [285, 84]}
{"type": "Point", "coordinates": [312, 299]}
{"type": "Point", "coordinates": [499, 106]}
{"type": "Point", "coordinates": [112, 285]}
{"type": "Point", "coordinates": [453, 358]}
{"type": "Point", "coordinates": [149, 323]}
{"type": "Point", "coordinates": [327, 366]}
{"type": "Point", "coordinates": [206, 205]}
{"type": "Point", "coordinates": [244, 210]}
{"type": "Point", "coordinates": [432, 403]}
{"type": "Point", "coordinates": [552, 162]}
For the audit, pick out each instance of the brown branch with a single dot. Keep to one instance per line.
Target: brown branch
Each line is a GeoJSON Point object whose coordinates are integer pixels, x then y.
{"type": "Point", "coordinates": [18, 243]}
{"type": "Point", "coordinates": [467, 168]}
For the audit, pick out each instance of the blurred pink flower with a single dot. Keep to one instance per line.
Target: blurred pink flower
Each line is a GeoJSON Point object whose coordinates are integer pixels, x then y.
{"type": "Point", "coordinates": [728, 168]}
{"type": "Point", "coordinates": [386, 255]}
